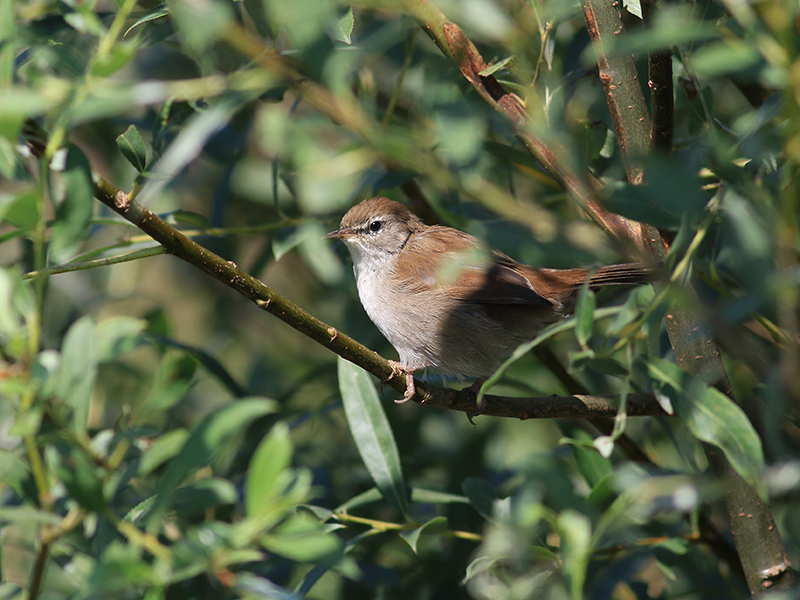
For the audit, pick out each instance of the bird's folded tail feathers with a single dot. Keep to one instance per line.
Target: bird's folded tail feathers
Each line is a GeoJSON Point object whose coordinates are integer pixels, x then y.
{"type": "Point", "coordinates": [623, 274]}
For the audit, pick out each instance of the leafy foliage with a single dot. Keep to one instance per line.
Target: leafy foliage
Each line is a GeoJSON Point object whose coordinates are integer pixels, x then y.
{"type": "Point", "coordinates": [162, 439]}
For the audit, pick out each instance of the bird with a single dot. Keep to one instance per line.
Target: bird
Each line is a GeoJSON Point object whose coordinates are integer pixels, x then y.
{"type": "Point", "coordinates": [444, 300]}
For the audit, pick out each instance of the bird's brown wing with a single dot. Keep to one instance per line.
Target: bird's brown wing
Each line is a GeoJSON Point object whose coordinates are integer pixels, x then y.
{"type": "Point", "coordinates": [455, 262]}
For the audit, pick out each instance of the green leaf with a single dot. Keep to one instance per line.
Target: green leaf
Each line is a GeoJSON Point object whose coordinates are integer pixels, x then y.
{"type": "Point", "coordinates": [593, 467]}
{"type": "Point", "coordinates": [75, 210]}
{"type": "Point", "coordinates": [673, 191]}
{"type": "Point", "coordinates": [435, 525]}
{"type": "Point", "coordinates": [713, 417]}
{"type": "Point", "coordinates": [133, 149]}
{"type": "Point", "coordinates": [201, 24]}
{"type": "Point", "coordinates": [78, 370]}
{"type": "Point", "coordinates": [372, 434]}
{"type": "Point", "coordinates": [495, 66]}
{"type": "Point", "coordinates": [270, 460]}
{"type": "Point", "coordinates": [188, 217]}
{"type": "Point", "coordinates": [173, 379]}
{"type": "Point", "coordinates": [205, 442]}
{"type": "Point", "coordinates": [22, 210]}
{"type": "Point", "coordinates": [199, 496]}
{"type": "Point", "coordinates": [18, 515]}
{"type": "Point", "coordinates": [301, 538]}
{"type": "Point", "coordinates": [83, 483]}
{"type": "Point", "coordinates": [721, 58]}
{"type": "Point", "coordinates": [481, 495]}
{"type": "Point", "coordinates": [161, 450]}
{"type": "Point", "coordinates": [344, 27]}
{"type": "Point", "coordinates": [285, 240]}
{"type": "Point", "coordinates": [576, 535]}
{"type": "Point", "coordinates": [318, 254]}
{"type": "Point", "coordinates": [422, 496]}
{"type": "Point", "coordinates": [156, 13]}
{"type": "Point", "coordinates": [116, 336]}
{"type": "Point", "coordinates": [584, 315]}
{"type": "Point", "coordinates": [16, 305]}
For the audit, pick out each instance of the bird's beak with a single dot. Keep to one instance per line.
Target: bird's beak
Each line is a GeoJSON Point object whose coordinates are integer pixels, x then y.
{"type": "Point", "coordinates": [339, 234]}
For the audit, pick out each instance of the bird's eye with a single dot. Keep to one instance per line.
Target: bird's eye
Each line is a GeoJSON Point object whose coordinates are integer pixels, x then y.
{"type": "Point", "coordinates": [375, 226]}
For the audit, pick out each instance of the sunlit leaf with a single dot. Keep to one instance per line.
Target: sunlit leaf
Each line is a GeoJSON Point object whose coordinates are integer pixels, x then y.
{"type": "Point", "coordinates": [271, 458]}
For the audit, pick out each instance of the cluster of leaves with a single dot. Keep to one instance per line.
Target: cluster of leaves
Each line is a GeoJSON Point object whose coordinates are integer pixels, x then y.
{"type": "Point", "coordinates": [141, 456]}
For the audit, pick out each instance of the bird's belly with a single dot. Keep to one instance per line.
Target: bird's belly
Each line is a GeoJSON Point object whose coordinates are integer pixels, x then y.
{"type": "Point", "coordinates": [454, 337]}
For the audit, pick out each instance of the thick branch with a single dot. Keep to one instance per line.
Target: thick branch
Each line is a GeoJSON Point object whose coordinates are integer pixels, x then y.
{"type": "Point", "coordinates": [620, 81]}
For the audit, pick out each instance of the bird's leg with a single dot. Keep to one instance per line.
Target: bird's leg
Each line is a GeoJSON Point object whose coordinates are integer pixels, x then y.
{"type": "Point", "coordinates": [411, 389]}
{"type": "Point", "coordinates": [475, 388]}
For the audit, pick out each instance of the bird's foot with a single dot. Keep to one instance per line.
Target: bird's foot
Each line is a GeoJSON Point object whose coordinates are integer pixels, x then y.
{"type": "Point", "coordinates": [475, 388]}
{"type": "Point", "coordinates": [399, 370]}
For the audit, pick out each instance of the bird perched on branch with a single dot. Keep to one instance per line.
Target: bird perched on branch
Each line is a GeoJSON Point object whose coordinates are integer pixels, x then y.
{"type": "Point", "coordinates": [443, 300]}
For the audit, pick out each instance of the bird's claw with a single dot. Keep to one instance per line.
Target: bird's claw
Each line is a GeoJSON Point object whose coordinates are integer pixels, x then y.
{"type": "Point", "coordinates": [411, 389]}
{"type": "Point", "coordinates": [475, 388]}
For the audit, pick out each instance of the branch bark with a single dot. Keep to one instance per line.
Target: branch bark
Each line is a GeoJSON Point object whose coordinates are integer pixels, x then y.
{"type": "Point", "coordinates": [621, 84]}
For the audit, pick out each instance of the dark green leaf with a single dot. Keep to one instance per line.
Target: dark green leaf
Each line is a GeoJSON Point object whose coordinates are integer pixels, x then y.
{"type": "Point", "coordinates": [591, 465]}
{"type": "Point", "coordinates": [371, 432]}
{"type": "Point", "coordinates": [481, 495]}
{"type": "Point", "coordinates": [199, 496]}
{"type": "Point", "coordinates": [83, 483]}
{"type": "Point", "coordinates": [133, 149]}
{"type": "Point", "coordinates": [433, 497]}
{"type": "Point", "coordinates": [201, 25]}
{"type": "Point", "coordinates": [714, 418]}
{"type": "Point", "coordinates": [672, 191]}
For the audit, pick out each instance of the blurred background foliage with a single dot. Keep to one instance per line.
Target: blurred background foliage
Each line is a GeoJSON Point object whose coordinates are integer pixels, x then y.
{"type": "Point", "coordinates": [164, 438]}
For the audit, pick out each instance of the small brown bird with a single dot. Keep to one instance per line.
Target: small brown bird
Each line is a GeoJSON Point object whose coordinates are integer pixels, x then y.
{"type": "Point", "coordinates": [445, 301]}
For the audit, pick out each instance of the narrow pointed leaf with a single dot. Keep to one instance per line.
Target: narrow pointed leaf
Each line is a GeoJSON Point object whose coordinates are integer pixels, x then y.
{"type": "Point", "coordinates": [432, 526]}
{"type": "Point", "coordinates": [371, 432]}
